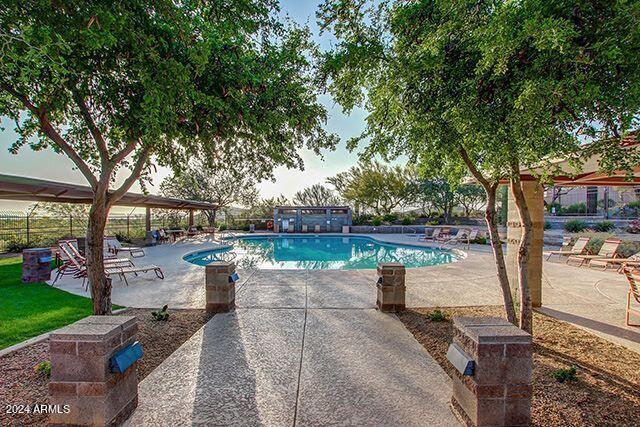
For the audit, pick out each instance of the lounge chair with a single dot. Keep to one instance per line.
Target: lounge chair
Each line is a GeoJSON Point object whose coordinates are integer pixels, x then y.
{"type": "Point", "coordinates": [446, 237]}
{"type": "Point", "coordinates": [608, 249]}
{"type": "Point", "coordinates": [113, 270]}
{"type": "Point", "coordinates": [579, 248]}
{"type": "Point", "coordinates": [114, 246]}
{"type": "Point", "coordinates": [192, 231]}
{"type": "Point", "coordinates": [435, 233]}
{"type": "Point", "coordinates": [632, 261]}
{"type": "Point", "coordinates": [634, 291]}
{"type": "Point", "coordinates": [76, 265]}
{"type": "Point", "coordinates": [463, 236]}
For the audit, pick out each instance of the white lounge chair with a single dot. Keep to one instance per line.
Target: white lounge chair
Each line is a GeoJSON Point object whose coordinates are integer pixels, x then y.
{"type": "Point", "coordinates": [114, 246]}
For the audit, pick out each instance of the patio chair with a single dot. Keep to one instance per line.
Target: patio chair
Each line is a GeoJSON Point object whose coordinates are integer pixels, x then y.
{"type": "Point", "coordinates": [163, 236]}
{"type": "Point", "coordinates": [632, 261]}
{"type": "Point", "coordinates": [435, 233]}
{"type": "Point", "coordinates": [122, 271]}
{"type": "Point", "coordinates": [579, 248]}
{"type": "Point", "coordinates": [608, 249]}
{"type": "Point", "coordinates": [114, 246]}
{"type": "Point", "coordinates": [634, 291]}
{"type": "Point", "coordinates": [75, 264]}
{"type": "Point", "coordinates": [462, 233]}
{"type": "Point", "coordinates": [192, 231]}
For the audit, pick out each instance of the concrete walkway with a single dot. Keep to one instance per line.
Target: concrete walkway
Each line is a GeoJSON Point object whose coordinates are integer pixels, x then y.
{"type": "Point", "coordinates": [302, 348]}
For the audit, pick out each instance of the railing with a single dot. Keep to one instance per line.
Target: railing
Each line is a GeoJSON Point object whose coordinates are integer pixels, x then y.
{"type": "Point", "coordinates": [18, 230]}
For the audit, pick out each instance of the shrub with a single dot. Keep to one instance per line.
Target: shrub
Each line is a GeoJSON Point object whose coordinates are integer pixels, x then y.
{"type": "Point", "coordinates": [407, 220]}
{"type": "Point", "coordinates": [575, 226]}
{"type": "Point", "coordinates": [161, 315]}
{"type": "Point", "coordinates": [604, 226]}
{"type": "Point", "coordinates": [575, 208]}
{"type": "Point", "coordinates": [547, 225]}
{"type": "Point", "coordinates": [481, 240]}
{"type": "Point", "coordinates": [376, 221]}
{"type": "Point", "coordinates": [43, 368]}
{"type": "Point", "coordinates": [433, 222]}
{"type": "Point", "coordinates": [565, 374]}
{"type": "Point", "coordinates": [554, 205]}
{"type": "Point", "coordinates": [199, 227]}
{"type": "Point", "coordinates": [222, 227]}
{"type": "Point", "coordinates": [390, 217]}
{"type": "Point", "coordinates": [122, 237]}
{"type": "Point", "coordinates": [437, 316]}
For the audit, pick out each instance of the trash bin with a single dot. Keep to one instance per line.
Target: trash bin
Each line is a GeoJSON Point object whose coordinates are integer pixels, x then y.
{"type": "Point", "coordinates": [36, 265]}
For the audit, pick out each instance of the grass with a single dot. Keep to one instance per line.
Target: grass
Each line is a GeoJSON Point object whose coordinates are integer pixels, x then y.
{"type": "Point", "coordinates": [28, 310]}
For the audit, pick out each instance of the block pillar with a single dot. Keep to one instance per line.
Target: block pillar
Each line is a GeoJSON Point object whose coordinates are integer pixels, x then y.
{"type": "Point", "coordinates": [534, 195]}
{"type": "Point", "coordinates": [391, 287]}
{"type": "Point", "coordinates": [36, 265]}
{"type": "Point", "coordinates": [190, 217]}
{"type": "Point", "coordinates": [81, 376]}
{"type": "Point", "coordinates": [220, 286]}
{"type": "Point", "coordinates": [499, 391]}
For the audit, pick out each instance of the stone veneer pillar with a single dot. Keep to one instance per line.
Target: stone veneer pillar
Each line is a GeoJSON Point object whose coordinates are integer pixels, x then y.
{"type": "Point", "coordinates": [220, 289]}
{"type": "Point", "coordinates": [81, 377]}
{"type": "Point", "coordinates": [36, 265]}
{"type": "Point", "coordinates": [499, 391]}
{"type": "Point", "coordinates": [391, 287]}
{"type": "Point", "coordinates": [534, 195]}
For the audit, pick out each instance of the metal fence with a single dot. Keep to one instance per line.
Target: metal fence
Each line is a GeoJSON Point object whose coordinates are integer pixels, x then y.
{"type": "Point", "coordinates": [19, 230]}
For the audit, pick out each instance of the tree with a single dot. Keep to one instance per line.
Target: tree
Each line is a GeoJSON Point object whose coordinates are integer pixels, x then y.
{"type": "Point", "coordinates": [316, 195]}
{"type": "Point", "coordinates": [61, 209]}
{"type": "Point", "coordinates": [220, 187]}
{"type": "Point", "coordinates": [375, 186]}
{"type": "Point", "coordinates": [263, 208]}
{"type": "Point", "coordinates": [440, 196]}
{"type": "Point", "coordinates": [491, 87]}
{"type": "Point", "coordinates": [471, 197]}
{"type": "Point", "coordinates": [111, 84]}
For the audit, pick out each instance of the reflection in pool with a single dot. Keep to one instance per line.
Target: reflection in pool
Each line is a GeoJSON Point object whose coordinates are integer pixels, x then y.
{"type": "Point", "coordinates": [320, 252]}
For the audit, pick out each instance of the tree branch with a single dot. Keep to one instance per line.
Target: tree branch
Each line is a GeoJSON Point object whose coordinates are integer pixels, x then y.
{"type": "Point", "coordinates": [48, 129]}
{"type": "Point", "coordinates": [95, 132]}
{"type": "Point", "coordinates": [135, 174]}
{"type": "Point", "coordinates": [473, 169]}
{"type": "Point", "coordinates": [128, 149]}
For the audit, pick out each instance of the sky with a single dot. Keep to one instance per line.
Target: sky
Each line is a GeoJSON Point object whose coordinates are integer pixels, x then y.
{"type": "Point", "coordinates": [49, 165]}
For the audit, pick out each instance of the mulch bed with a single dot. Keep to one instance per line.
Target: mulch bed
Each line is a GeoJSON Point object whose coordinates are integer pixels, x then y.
{"type": "Point", "coordinates": [20, 384]}
{"type": "Point", "coordinates": [607, 389]}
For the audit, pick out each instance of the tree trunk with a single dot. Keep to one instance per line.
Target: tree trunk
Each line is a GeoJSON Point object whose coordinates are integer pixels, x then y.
{"type": "Point", "coordinates": [100, 286]}
{"type": "Point", "coordinates": [498, 254]}
{"type": "Point", "coordinates": [526, 310]}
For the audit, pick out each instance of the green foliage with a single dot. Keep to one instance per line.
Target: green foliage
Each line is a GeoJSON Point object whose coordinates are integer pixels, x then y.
{"type": "Point", "coordinates": [375, 186]}
{"type": "Point", "coordinates": [471, 197]}
{"type": "Point", "coordinates": [161, 315]}
{"type": "Point", "coordinates": [43, 368]}
{"type": "Point", "coordinates": [575, 226]}
{"type": "Point", "coordinates": [316, 195]}
{"type": "Point", "coordinates": [575, 208]}
{"type": "Point", "coordinates": [565, 374]}
{"type": "Point", "coordinates": [376, 221]}
{"type": "Point", "coordinates": [390, 217]}
{"type": "Point", "coordinates": [122, 237]}
{"type": "Point", "coordinates": [604, 226]}
{"type": "Point", "coordinates": [481, 240]}
{"type": "Point", "coordinates": [407, 220]}
{"type": "Point", "coordinates": [437, 316]}
{"type": "Point", "coordinates": [222, 227]}
{"type": "Point", "coordinates": [263, 208]}
{"type": "Point", "coordinates": [30, 310]}
{"type": "Point", "coordinates": [547, 225]}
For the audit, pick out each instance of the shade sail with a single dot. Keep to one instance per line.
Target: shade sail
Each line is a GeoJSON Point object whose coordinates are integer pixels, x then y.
{"type": "Point", "coordinates": [39, 190]}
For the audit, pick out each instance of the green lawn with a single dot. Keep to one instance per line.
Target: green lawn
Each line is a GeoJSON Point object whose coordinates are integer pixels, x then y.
{"type": "Point", "coordinates": [28, 310]}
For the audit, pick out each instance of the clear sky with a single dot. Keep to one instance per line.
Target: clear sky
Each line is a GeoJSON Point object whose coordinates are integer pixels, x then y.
{"type": "Point", "coordinates": [48, 165]}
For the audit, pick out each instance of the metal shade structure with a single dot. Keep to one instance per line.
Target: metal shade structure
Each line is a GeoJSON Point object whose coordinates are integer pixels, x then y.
{"type": "Point", "coordinates": [39, 190]}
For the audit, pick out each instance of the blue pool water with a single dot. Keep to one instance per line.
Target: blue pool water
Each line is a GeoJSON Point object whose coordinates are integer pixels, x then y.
{"type": "Point", "coordinates": [320, 252]}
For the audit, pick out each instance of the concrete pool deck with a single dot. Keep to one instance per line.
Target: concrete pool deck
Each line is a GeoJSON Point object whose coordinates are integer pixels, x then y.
{"type": "Point", "coordinates": [588, 298]}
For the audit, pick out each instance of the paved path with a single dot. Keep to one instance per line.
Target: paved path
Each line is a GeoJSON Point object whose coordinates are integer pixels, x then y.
{"type": "Point", "coordinates": [302, 348]}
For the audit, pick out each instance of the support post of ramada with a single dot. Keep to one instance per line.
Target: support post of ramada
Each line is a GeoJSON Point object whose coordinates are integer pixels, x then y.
{"type": "Point", "coordinates": [220, 286]}
{"type": "Point", "coordinates": [496, 389]}
{"type": "Point", "coordinates": [84, 388]}
{"type": "Point", "coordinates": [391, 287]}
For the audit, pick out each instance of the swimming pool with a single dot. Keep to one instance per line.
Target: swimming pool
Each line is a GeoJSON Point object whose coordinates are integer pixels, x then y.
{"type": "Point", "coordinates": [316, 252]}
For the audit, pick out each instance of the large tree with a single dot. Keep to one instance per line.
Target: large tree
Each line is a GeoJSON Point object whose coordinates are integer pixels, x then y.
{"type": "Point", "coordinates": [316, 195]}
{"type": "Point", "coordinates": [491, 86]}
{"type": "Point", "coordinates": [118, 86]}
{"type": "Point", "coordinates": [221, 187]}
{"type": "Point", "coordinates": [376, 187]}
{"type": "Point", "coordinates": [471, 197]}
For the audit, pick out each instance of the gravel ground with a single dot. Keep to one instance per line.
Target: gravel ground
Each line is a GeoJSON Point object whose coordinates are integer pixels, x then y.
{"type": "Point", "coordinates": [607, 391]}
{"type": "Point", "coordinates": [20, 384]}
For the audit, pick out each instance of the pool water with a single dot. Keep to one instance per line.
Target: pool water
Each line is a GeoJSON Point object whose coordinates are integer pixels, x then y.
{"type": "Point", "coordinates": [320, 252]}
